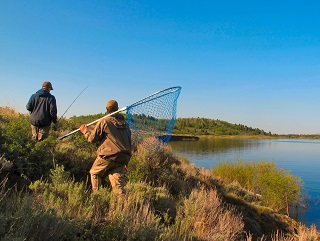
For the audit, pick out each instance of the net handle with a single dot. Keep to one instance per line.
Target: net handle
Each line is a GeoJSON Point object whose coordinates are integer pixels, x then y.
{"type": "Point", "coordinates": [122, 109]}
{"type": "Point", "coordinates": [93, 122]}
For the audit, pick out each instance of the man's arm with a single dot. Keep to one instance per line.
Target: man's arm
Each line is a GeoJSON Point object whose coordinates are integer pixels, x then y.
{"type": "Point", "coordinates": [29, 105]}
{"type": "Point", "coordinates": [53, 109]}
{"type": "Point", "coordinates": [93, 135]}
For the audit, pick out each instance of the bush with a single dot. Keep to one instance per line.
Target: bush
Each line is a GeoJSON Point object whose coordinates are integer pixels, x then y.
{"type": "Point", "coordinates": [29, 159]}
{"type": "Point", "coordinates": [152, 163]}
{"type": "Point", "coordinates": [279, 189]}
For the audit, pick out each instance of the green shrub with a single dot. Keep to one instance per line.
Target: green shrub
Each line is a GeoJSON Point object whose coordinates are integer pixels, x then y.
{"type": "Point", "coordinates": [151, 162]}
{"type": "Point", "coordinates": [33, 160]}
{"type": "Point", "coordinates": [278, 188]}
{"type": "Point", "coordinates": [29, 159]}
{"type": "Point", "coordinates": [67, 197]}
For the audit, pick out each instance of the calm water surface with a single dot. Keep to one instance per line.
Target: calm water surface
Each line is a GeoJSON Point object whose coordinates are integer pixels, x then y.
{"type": "Point", "coordinates": [300, 157]}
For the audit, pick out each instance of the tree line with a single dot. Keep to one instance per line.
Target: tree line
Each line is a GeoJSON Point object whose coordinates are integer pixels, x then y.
{"type": "Point", "coordinates": [205, 126]}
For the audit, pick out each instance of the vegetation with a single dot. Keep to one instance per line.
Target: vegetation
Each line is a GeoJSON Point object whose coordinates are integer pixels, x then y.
{"type": "Point", "coordinates": [276, 188]}
{"type": "Point", "coordinates": [211, 127]}
{"type": "Point", "coordinates": [205, 126]}
{"type": "Point", "coordinates": [45, 193]}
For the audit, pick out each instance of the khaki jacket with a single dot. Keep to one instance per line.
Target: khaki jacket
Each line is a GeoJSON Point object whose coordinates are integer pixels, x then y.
{"type": "Point", "coordinates": [114, 134]}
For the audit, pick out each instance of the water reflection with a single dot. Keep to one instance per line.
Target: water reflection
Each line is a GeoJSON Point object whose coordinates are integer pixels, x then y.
{"type": "Point", "coordinates": [214, 146]}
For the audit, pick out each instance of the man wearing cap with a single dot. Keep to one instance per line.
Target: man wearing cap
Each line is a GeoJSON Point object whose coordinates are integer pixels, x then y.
{"type": "Point", "coordinates": [115, 151]}
{"type": "Point", "coordinates": [43, 111]}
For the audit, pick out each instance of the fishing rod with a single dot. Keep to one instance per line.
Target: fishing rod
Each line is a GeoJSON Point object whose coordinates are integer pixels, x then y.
{"type": "Point", "coordinates": [73, 102]}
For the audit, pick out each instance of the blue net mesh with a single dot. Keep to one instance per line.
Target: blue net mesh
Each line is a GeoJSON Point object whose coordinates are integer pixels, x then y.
{"type": "Point", "coordinates": [154, 116]}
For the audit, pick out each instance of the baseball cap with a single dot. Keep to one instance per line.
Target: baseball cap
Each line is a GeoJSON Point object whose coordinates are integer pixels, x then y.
{"type": "Point", "coordinates": [47, 85]}
{"type": "Point", "coordinates": [112, 106]}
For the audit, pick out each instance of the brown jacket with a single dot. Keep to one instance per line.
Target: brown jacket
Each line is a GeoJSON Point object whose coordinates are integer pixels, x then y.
{"type": "Point", "coordinates": [114, 134]}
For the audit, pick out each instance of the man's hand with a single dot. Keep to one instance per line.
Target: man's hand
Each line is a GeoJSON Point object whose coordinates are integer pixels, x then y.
{"type": "Point", "coordinates": [83, 129]}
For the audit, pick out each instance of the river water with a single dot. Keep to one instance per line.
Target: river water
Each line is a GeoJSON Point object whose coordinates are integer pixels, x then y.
{"type": "Point", "coordinates": [300, 157]}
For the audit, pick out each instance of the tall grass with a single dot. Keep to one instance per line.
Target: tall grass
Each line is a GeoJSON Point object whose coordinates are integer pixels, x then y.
{"type": "Point", "coordinates": [203, 216]}
{"type": "Point", "coordinates": [303, 234]}
{"type": "Point", "coordinates": [279, 189]}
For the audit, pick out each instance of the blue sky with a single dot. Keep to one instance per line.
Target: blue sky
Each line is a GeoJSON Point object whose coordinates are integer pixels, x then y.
{"type": "Point", "coordinates": [255, 63]}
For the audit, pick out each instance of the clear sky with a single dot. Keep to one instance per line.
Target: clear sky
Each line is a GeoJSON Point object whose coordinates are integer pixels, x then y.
{"type": "Point", "coordinates": [255, 63]}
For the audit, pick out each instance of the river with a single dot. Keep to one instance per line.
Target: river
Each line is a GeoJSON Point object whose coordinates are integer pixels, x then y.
{"type": "Point", "coordinates": [299, 156]}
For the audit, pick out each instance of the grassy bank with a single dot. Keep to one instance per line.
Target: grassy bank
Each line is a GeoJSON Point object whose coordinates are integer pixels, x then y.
{"type": "Point", "coordinates": [45, 194]}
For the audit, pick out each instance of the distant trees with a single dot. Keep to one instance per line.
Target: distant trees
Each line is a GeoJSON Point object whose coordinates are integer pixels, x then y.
{"type": "Point", "coordinates": [205, 126]}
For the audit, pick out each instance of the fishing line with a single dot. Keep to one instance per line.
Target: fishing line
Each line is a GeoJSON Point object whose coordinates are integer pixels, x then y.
{"type": "Point", "coordinates": [73, 102]}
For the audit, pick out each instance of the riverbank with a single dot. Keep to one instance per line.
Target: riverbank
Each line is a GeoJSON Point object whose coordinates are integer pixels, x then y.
{"type": "Point", "coordinates": [297, 156]}
{"type": "Point", "coordinates": [238, 137]}
{"type": "Point", "coordinates": [180, 137]}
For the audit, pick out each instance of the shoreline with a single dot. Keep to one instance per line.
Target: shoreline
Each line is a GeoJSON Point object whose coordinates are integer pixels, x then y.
{"type": "Point", "coordinates": [186, 137]}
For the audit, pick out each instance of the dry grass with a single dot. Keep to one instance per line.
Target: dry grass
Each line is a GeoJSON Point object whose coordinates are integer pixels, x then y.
{"type": "Point", "coordinates": [7, 111]}
{"type": "Point", "coordinates": [203, 216]}
{"type": "Point", "coordinates": [308, 234]}
{"type": "Point", "coordinates": [303, 234]}
{"type": "Point", "coordinates": [136, 219]}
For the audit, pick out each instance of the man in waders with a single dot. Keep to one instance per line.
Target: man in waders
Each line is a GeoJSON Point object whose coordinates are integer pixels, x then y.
{"type": "Point", "coordinates": [43, 111]}
{"type": "Point", "coordinates": [115, 151]}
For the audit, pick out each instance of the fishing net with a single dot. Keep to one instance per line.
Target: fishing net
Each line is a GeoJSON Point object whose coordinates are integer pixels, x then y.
{"type": "Point", "coordinates": [154, 116]}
